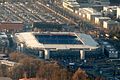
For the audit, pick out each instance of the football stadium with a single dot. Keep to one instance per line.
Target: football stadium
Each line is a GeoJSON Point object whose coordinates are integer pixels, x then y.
{"type": "Point", "coordinates": [55, 45]}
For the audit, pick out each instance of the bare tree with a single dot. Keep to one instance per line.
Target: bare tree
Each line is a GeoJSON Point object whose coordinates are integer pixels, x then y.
{"type": "Point", "coordinates": [17, 56]}
{"type": "Point", "coordinates": [80, 75]}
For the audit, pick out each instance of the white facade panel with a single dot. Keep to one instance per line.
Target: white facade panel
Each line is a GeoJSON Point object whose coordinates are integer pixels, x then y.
{"type": "Point", "coordinates": [118, 12]}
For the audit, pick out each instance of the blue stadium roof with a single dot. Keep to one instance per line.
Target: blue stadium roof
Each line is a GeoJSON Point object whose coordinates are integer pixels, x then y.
{"type": "Point", "coordinates": [58, 39]}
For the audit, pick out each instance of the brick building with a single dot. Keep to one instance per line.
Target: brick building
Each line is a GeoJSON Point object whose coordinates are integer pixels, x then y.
{"type": "Point", "coordinates": [11, 26]}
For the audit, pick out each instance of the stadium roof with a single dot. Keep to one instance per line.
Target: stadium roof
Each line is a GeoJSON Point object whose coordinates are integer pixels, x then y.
{"type": "Point", "coordinates": [56, 40]}
{"type": "Point", "coordinates": [87, 39]}
{"type": "Point", "coordinates": [41, 25]}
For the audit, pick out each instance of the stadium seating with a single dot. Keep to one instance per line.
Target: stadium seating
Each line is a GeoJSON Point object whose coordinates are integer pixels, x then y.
{"type": "Point", "coordinates": [58, 39]}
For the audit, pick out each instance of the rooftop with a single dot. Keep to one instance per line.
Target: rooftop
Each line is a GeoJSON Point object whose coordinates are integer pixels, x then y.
{"type": "Point", "coordinates": [8, 63]}
{"type": "Point", "coordinates": [14, 22]}
{"type": "Point", "coordinates": [103, 17]}
{"type": "Point", "coordinates": [3, 35]}
{"type": "Point", "coordinates": [111, 7]}
{"type": "Point", "coordinates": [97, 13]}
{"type": "Point", "coordinates": [112, 22]}
{"type": "Point", "coordinates": [56, 40]}
{"type": "Point", "coordinates": [91, 10]}
{"type": "Point", "coordinates": [105, 0]}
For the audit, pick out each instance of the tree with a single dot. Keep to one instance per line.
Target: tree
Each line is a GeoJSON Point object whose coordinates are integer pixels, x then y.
{"type": "Point", "coordinates": [99, 78]}
{"type": "Point", "coordinates": [80, 75]}
{"type": "Point", "coordinates": [27, 66]}
{"type": "Point", "coordinates": [17, 56]}
{"type": "Point", "coordinates": [52, 71]}
{"type": "Point", "coordinates": [30, 67]}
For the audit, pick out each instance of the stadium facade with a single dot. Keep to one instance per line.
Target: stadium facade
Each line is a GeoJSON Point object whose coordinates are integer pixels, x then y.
{"type": "Point", "coordinates": [54, 45]}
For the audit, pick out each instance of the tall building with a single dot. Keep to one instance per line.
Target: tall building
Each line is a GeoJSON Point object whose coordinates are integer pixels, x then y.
{"type": "Point", "coordinates": [71, 5]}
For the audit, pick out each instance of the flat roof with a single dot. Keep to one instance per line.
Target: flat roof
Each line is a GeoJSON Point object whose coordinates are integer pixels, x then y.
{"type": "Point", "coordinates": [8, 63]}
{"type": "Point", "coordinates": [14, 22]}
{"type": "Point", "coordinates": [3, 35]}
{"type": "Point", "coordinates": [29, 39]}
{"type": "Point", "coordinates": [1, 55]}
{"type": "Point", "coordinates": [87, 39]}
{"type": "Point", "coordinates": [103, 17]}
{"type": "Point", "coordinates": [111, 7]}
{"type": "Point", "coordinates": [105, 0]}
{"type": "Point", "coordinates": [70, 0]}
{"type": "Point", "coordinates": [98, 13]}
{"type": "Point", "coordinates": [91, 10]}
{"type": "Point", "coordinates": [47, 25]}
{"type": "Point", "coordinates": [112, 22]}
